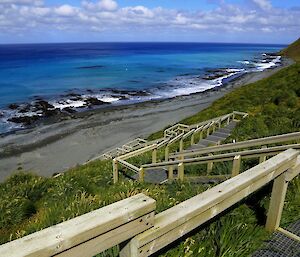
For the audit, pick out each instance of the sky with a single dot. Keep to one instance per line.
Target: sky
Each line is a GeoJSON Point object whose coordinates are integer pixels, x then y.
{"type": "Point", "coordinates": [240, 21]}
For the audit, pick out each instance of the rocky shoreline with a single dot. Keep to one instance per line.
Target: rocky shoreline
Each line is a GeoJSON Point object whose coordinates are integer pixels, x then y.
{"type": "Point", "coordinates": [88, 134]}
{"type": "Point", "coordinates": [40, 110]}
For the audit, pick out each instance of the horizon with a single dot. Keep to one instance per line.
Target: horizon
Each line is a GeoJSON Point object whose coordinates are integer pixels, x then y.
{"type": "Point", "coordinates": [88, 21]}
{"type": "Point", "coordinates": [146, 42]}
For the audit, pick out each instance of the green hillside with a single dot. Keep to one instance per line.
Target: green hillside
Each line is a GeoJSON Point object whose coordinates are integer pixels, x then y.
{"type": "Point", "coordinates": [29, 203]}
{"type": "Point", "coordinates": [292, 51]}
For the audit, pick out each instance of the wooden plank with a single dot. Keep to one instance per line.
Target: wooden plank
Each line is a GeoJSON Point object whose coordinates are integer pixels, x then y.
{"type": "Point", "coordinates": [276, 204]}
{"type": "Point", "coordinates": [115, 171]}
{"type": "Point", "coordinates": [171, 173]}
{"type": "Point", "coordinates": [235, 189]}
{"type": "Point", "coordinates": [294, 171]}
{"type": "Point", "coordinates": [141, 174]}
{"type": "Point", "coordinates": [271, 151]}
{"type": "Point", "coordinates": [243, 144]}
{"type": "Point", "coordinates": [181, 230]}
{"type": "Point", "coordinates": [167, 153]}
{"type": "Point", "coordinates": [128, 165]}
{"type": "Point", "coordinates": [138, 152]}
{"type": "Point", "coordinates": [181, 145]}
{"type": "Point", "coordinates": [289, 234]}
{"type": "Point", "coordinates": [210, 165]}
{"type": "Point", "coordinates": [193, 139]}
{"type": "Point", "coordinates": [236, 166]}
{"type": "Point", "coordinates": [154, 155]}
{"type": "Point", "coordinates": [263, 158]}
{"type": "Point", "coordinates": [181, 171]}
{"type": "Point", "coordinates": [63, 236]}
{"type": "Point", "coordinates": [111, 238]}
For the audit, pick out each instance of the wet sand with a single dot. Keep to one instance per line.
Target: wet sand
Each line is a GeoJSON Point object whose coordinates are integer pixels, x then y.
{"type": "Point", "coordinates": [57, 147]}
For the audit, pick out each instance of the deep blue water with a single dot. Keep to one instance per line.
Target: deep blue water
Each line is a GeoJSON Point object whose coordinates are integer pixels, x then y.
{"type": "Point", "coordinates": [164, 69]}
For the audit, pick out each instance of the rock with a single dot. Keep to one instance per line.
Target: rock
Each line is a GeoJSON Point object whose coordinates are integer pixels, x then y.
{"type": "Point", "coordinates": [24, 108]}
{"type": "Point", "coordinates": [50, 113]}
{"type": "Point", "coordinates": [93, 101]}
{"type": "Point", "coordinates": [26, 120]}
{"type": "Point", "coordinates": [43, 105]}
{"type": "Point", "coordinates": [1, 114]}
{"type": "Point", "coordinates": [69, 110]}
{"type": "Point", "coordinates": [73, 95]}
{"type": "Point", "coordinates": [13, 106]}
{"type": "Point", "coordinates": [138, 93]}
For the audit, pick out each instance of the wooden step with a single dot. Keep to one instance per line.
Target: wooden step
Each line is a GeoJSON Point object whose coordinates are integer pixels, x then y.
{"type": "Point", "coordinates": [215, 138]}
{"type": "Point", "coordinates": [206, 142]}
{"type": "Point", "coordinates": [220, 134]}
{"type": "Point", "coordinates": [155, 176]}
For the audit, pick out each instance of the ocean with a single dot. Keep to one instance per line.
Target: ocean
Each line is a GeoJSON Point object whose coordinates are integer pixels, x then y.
{"type": "Point", "coordinates": [73, 77]}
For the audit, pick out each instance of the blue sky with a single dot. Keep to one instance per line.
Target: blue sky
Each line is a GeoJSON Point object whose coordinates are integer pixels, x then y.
{"type": "Point", "coordinates": [246, 21]}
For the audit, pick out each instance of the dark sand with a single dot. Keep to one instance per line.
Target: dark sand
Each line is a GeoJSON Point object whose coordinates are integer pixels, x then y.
{"type": "Point", "coordinates": [57, 147]}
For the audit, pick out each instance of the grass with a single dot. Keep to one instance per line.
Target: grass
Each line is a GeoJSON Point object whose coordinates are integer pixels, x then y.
{"type": "Point", "coordinates": [29, 203]}
{"type": "Point", "coordinates": [293, 51]}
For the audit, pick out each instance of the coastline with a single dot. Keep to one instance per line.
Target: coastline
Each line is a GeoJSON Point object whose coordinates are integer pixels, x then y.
{"type": "Point", "coordinates": [56, 147]}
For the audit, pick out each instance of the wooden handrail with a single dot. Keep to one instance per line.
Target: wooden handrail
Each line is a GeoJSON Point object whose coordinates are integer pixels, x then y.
{"type": "Point", "coordinates": [173, 223]}
{"type": "Point", "coordinates": [137, 152]}
{"type": "Point", "coordinates": [88, 234]}
{"type": "Point", "coordinates": [129, 165]}
{"type": "Point", "coordinates": [224, 157]}
{"type": "Point", "coordinates": [242, 144]}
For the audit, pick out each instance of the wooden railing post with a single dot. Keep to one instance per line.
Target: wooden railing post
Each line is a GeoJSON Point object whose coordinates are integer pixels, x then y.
{"type": "Point", "coordinates": [236, 166]}
{"type": "Point", "coordinates": [210, 165]}
{"type": "Point", "coordinates": [276, 204]}
{"type": "Point", "coordinates": [115, 171]}
{"type": "Point", "coordinates": [167, 153]}
{"type": "Point", "coordinates": [181, 171]}
{"type": "Point", "coordinates": [207, 132]}
{"type": "Point", "coordinates": [228, 120]}
{"type": "Point", "coordinates": [181, 145]}
{"type": "Point", "coordinates": [171, 173]}
{"type": "Point", "coordinates": [141, 174]}
{"type": "Point", "coordinates": [154, 155]}
{"type": "Point", "coordinates": [201, 135]}
{"type": "Point", "coordinates": [263, 158]}
{"type": "Point", "coordinates": [193, 139]}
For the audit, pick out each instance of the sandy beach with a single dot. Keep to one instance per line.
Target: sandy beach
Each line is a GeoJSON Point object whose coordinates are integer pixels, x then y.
{"type": "Point", "coordinates": [57, 147]}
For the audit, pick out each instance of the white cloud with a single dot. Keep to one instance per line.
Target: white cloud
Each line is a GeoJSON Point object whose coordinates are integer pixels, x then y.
{"type": "Point", "coordinates": [104, 5]}
{"type": "Point", "coordinates": [263, 4]}
{"type": "Point", "coordinates": [99, 16]}
{"type": "Point", "coordinates": [65, 10]}
{"type": "Point", "coordinates": [22, 2]}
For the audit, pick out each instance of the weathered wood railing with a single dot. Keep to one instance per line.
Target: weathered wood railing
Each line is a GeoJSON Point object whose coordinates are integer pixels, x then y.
{"type": "Point", "coordinates": [235, 157]}
{"type": "Point", "coordinates": [89, 234]}
{"type": "Point", "coordinates": [184, 158]}
{"type": "Point", "coordinates": [177, 132]}
{"type": "Point", "coordinates": [177, 221]}
{"type": "Point", "coordinates": [134, 218]}
{"type": "Point", "coordinates": [239, 145]}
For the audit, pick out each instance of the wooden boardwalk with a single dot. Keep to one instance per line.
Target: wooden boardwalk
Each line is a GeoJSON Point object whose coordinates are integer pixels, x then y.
{"type": "Point", "coordinates": [280, 245]}
{"type": "Point", "coordinates": [157, 176]}
{"type": "Point", "coordinates": [216, 137]}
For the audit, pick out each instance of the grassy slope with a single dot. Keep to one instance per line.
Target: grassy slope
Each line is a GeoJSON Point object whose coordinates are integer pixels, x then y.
{"type": "Point", "coordinates": [293, 51]}
{"type": "Point", "coordinates": [29, 203]}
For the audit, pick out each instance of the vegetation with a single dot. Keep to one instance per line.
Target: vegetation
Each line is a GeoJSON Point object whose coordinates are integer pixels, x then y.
{"type": "Point", "coordinates": [293, 51]}
{"type": "Point", "coordinates": [29, 203]}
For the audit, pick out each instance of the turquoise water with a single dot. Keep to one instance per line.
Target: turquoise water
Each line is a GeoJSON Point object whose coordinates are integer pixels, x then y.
{"type": "Point", "coordinates": [50, 71]}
